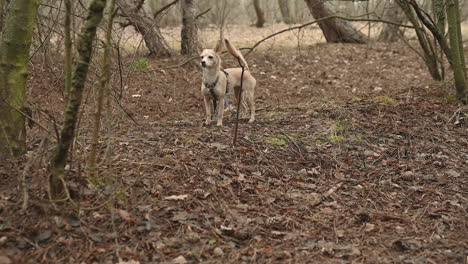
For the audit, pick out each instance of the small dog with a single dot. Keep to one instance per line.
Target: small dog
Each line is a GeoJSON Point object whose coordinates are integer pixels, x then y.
{"type": "Point", "coordinates": [217, 83]}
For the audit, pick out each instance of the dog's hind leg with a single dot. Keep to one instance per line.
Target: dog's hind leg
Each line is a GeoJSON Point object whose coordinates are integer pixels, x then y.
{"type": "Point", "coordinates": [251, 102]}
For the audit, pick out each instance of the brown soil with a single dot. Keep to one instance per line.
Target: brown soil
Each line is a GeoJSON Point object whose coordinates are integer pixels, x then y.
{"type": "Point", "coordinates": [356, 157]}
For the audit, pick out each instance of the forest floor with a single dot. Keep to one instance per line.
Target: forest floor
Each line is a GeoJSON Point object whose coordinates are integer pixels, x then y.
{"type": "Point", "coordinates": [356, 157]}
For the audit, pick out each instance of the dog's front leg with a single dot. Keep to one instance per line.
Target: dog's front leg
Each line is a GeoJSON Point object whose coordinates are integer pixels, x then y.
{"type": "Point", "coordinates": [208, 108]}
{"type": "Point", "coordinates": [220, 112]}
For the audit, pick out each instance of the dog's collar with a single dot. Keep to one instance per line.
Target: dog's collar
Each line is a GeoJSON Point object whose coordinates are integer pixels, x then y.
{"type": "Point", "coordinates": [211, 86]}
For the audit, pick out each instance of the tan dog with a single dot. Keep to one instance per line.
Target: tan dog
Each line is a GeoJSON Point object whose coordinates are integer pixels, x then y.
{"type": "Point", "coordinates": [216, 84]}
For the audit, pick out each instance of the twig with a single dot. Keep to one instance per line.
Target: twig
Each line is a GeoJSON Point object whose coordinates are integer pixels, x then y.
{"type": "Point", "coordinates": [157, 13]}
{"type": "Point", "coordinates": [202, 13]}
{"type": "Point", "coordinates": [238, 101]}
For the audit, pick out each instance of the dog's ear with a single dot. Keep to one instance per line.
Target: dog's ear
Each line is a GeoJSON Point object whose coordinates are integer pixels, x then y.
{"type": "Point", "coordinates": [218, 47]}
{"type": "Point", "coordinates": [200, 49]}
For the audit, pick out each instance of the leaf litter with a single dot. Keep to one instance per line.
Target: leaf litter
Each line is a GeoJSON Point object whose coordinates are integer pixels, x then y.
{"type": "Point", "coordinates": [320, 177]}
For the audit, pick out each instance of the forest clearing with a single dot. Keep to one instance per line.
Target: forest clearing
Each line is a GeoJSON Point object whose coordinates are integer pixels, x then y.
{"type": "Point", "coordinates": [356, 156]}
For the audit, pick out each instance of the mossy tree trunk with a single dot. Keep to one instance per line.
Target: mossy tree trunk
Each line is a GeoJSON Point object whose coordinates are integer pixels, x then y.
{"type": "Point", "coordinates": [103, 85]}
{"type": "Point", "coordinates": [14, 56]}
{"type": "Point", "coordinates": [456, 47]}
{"type": "Point", "coordinates": [335, 30]}
{"type": "Point", "coordinates": [85, 48]}
{"type": "Point", "coordinates": [68, 47]}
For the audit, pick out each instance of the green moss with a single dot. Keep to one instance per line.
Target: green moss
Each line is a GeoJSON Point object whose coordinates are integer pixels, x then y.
{"type": "Point", "coordinates": [139, 64]}
{"type": "Point", "coordinates": [276, 141]}
{"type": "Point", "coordinates": [336, 139]}
{"type": "Point", "coordinates": [355, 100]}
{"type": "Point", "coordinates": [384, 100]}
{"type": "Point", "coordinates": [452, 99]}
{"type": "Point", "coordinates": [357, 138]}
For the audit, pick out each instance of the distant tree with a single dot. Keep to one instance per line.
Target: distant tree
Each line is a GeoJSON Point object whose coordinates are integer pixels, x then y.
{"type": "Point", "coordinates": [334, 29]}
{"type": "Point", "coordinates": [189, 34]}
{"type": "Point", "coordinates": [14, 56]}
{"type": "Point", "coordinates": [85, 51]}
{"type": "Point", "coordinates": [147, 27]}
{"type": "Point", "coordinates": [285, 12]}
{"type": "Point", "coordinates": [259, 13]}
{"type": "Point", "coordinates": [392, 33]}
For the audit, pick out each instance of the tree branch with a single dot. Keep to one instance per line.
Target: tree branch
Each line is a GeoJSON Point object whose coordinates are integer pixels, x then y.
{"type": "Point", "coordinates": [429, 24]}
{"type": "Point", "coordinates": [157, 13]}
{"type": "Point", "coordinates": [202, 13]}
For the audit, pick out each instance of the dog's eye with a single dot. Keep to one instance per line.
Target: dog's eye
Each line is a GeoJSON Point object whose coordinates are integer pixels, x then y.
{"type": "Point", "coordinates": [210, 57]}
{"type": "Point", "coordinates": [201, 57]}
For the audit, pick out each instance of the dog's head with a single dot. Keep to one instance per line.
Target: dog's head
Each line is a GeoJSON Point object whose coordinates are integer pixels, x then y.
{"type": "Point", "coordinates": [209, 58]}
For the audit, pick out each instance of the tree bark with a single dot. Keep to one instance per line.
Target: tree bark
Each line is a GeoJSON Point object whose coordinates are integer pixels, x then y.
{"type": "Point", "coordinates": [429, 54]}
{"type": "Point", "coordinates": [14, 57]}
{"type": "Point", "coordinates": [68, 47]}
{"type": "Point", "coordinates": [392, 33]}
{"type": "Point", "coordinates": [438, 9]}
{"type": "Point", "coordinates": [458, 61]}
{"type": "Point", "coordinates": [149, 30]}
{"type": "Point", "coordinates": [285, 12]}
{"type": "Point", "coordinates": [189, 34]}
{"type": "Point", "coordinates": [85, 48]}
{"type": "Point", "coordinates": [103, 86]}
{"type": "Point", "coordinates": [335, 30]}
{"type": "Point", "coordinates": [259, 13]}
{"type": "Point", "coordinates": [2, 8]}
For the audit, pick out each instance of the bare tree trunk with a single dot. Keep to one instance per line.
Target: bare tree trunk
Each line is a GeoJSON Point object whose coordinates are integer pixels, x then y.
{"type": "Point", "coordinates": [429, 54]}
{"type": "Point", "coordinates": [189, 34]}
{"type": "Point", "coordinates": [335, 30]}
{"type": "Point", "coordinates": [259, 13]}
{"type": "Point", "coordinates": [85, 48]}
{"type": "Point", "coordinates": [148, 28]}
{"type": "Point", "coordinates": [438, 9]}
{"type": "Point", "coordinates": [392, 33]}
{"type": "Point", "coordinates": [285, 12]}
{"type": "Point", "coordinates": [14, 57]}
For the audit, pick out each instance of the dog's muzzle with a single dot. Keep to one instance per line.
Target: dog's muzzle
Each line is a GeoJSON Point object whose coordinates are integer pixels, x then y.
{"type": "Point", "coordinates": [203, 63]}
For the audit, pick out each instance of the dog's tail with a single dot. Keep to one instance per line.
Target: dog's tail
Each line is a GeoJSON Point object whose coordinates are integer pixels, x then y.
{"type": "Point", "coordinates": [234, 52]}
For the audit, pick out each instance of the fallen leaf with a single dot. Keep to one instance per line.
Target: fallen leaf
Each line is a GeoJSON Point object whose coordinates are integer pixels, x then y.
{"type": "Point", "coordinates": [5, 260]}
{"type": "Point", "coordinates": [43, 236]}
{"type": "Point", "coordinates": [124, 215]}
{"type": "Point", "coordinates": [179, 260]}
{"type": "Point", "coordinates": [369, 227]}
